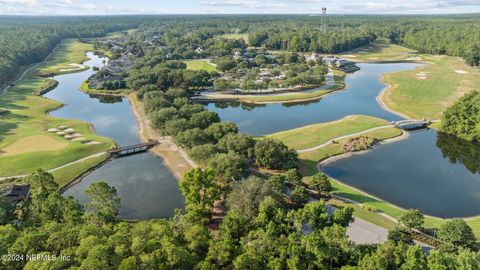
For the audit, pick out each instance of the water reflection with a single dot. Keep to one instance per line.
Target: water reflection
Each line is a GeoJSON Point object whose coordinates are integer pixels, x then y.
{"type": "Point", "coordinates": [107, 99]}
{"type": "Point", "coordinates": [459, 151]}
{"type": "Point", "coordinates": [441, 181]}
{"type": "Point", "coordinates": [146, 188]}
{"type": "Point", "coordinates": [359, 98]}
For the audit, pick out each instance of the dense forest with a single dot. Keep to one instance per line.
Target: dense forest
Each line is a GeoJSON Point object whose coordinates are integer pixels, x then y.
{"type": "Point", "coordinates": [26, 40]}
{"type": "Point", "coordinates": [457, 35]}
{"type": "Point", "coordinates": [260, 231]}
{"type": "Point", "coordinates": [268, 221]}
{"type": "Point", "coordinates": [462, 119]}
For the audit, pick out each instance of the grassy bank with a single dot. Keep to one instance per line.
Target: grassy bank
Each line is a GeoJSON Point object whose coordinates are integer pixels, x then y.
{"type": "Point", "coordinates": [313, 135]}
{"type": "Point", "coordinates": [200, 65]}
{"type": "Point", "coordinates": [288, 97]}
{"type": "Point", "coordinates": [308, 166]}
{"type": "Point", "coordinates": [26, 145]}
{"type": "Point", "coordinates": [310, 159]}
{"type": "Point", "coordinates": [381, 51]}
{"type": "Point", "coordinates": [427, 91]}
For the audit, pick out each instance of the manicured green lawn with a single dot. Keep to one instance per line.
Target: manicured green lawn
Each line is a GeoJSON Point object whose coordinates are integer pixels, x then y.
{"type": "Point", "coordinates": [200, 65]}
{"type": "Point", "coordinates": [313, 135]}
{"type": "Point", "coordinates": [27, 119]}
{"type": "Point", "coordinates": [427, 91]}
{"type": "Point", "coordinates": [68, 52]}
{"type": "Point", "coordinates": [379, 51]}
{"type": "Point", "coordinates": [65, 175]}
{"type": "Point", "coordinates": [235, 36]}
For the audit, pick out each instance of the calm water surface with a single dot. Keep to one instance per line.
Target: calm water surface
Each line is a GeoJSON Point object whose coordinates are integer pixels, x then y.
{"type": "Point", "coordinates": [435, 173]}
{"type": "Point", "coordinates": [359, 98]}
{"type": "Point", "coordinates": [146, 188]}
{"type": "Point", "coordinates": [430, 171]}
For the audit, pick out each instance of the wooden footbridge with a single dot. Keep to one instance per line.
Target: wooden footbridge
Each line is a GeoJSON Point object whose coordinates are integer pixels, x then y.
{"type": "Point", "coordinates": [411, 124]}
{"type": "Point", "coordinates": [132, 149]}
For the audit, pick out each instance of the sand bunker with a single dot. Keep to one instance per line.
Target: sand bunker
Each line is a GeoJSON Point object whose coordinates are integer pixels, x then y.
{"type": "Point", "coordinates": [52, 130]}
{"type": "Point", "coordinates": [93, 143]}
{"type": "Point", "coordinates": [61, 133]}
{"type": "Point", "coordinates": [459, 71]}
{"type": "Point", "coordinates": [69, 130]}
{"type": "Point", "coordinates": [373, 58]}
{"type": "Point", "coordinates": [421, 76]}
{"type": "Point", "coordinates": [76, 67]}
{"type": "Point", "coordinates": [414, 58]}
{"type": "Point", "coordinates": [349, 55]}
{"type": "Point", "coordinates": [62, 127]}
{"type": "Point", "coordinates": [76, 135]}
{"type": "Point", "coordinates": [79, 139]}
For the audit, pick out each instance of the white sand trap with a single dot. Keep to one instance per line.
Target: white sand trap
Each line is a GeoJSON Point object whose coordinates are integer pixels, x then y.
{"type": "Point", "coordinates": [422, 78]}
{"type": "Point", "coordinates": [79, 139]}
{"type": "Point", "coordinates": [52, 130]}
{"type": "Point", "coordinates": [76, 135]}
{"type": "Point", "coordinates": [414, 58]}
{"type": "Point", "coordinates": [61, 133]}
{"type": "Point", "coordinates": [421, 74]}
{"type": "Point", "coordinates": [68, 137]}
{"type": "Point", "coordinates": [76, 67]}
{"type": "Point", "coordinates": [62, 127]}
{"type": "Point", "coordinates": [93, 142]}
{"type": "Point", "coordinates": [373, 58]}
{"type": "Point", "coordinates": [69, 130]}
{"type": "Point", "coordinates": [459, 71]}
{"type": "Point", "coordinates": [349, 55]}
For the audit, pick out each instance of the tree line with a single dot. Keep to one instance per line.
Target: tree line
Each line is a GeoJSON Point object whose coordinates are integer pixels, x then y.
{"type": "Point", "coordinates": [28, 40]}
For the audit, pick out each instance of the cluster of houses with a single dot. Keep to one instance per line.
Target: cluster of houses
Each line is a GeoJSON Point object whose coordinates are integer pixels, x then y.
{"type": "Point", "coordinates": [16, 193]}
{"type": "Point", "coordinates": [114, 70]}
{"type": "Point", "coordinates": [334, 61]}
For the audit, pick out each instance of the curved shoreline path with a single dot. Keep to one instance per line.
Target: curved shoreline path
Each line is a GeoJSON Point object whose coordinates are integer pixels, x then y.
{"type": "Point", "coordinates": [146, 187]}
{"type": "Point", "coordinates": [341, 138]}
{"type": "Point", "coordinates": [359, 98]}
{"type": "Point", "coordinates": [24, 73]}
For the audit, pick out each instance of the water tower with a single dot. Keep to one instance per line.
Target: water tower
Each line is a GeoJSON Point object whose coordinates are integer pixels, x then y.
{"type": "Point", "coordinates": [324, 25]}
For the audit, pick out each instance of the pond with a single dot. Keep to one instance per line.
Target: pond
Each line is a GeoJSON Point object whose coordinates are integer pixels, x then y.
{"type": "Point", "coordinates": [146, 188]}
{"type": "Point", "coordinates": [435, 173]}
{"type": "Point", "coordinates": [358, 98]}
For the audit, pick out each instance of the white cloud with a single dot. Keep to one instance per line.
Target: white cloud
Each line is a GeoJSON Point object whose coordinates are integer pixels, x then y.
{"type": "Point", "coordinates": [21, 2]}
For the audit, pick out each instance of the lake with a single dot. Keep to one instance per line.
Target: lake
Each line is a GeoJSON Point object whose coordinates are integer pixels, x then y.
{"type": "Point", "coordinates": [358, 98]}
{"type": "Point", "coordinates": [430, 171]}
{"type": "Point", "coordinates": [146, 187]}
{"type": "Point", "coordinates": [435, 173]}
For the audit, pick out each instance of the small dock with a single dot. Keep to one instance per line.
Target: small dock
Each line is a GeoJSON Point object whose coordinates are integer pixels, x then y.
{"type": "Point", "coordinates": [132, 149]}
{"type": "Point", "coordinates": [411, 124]}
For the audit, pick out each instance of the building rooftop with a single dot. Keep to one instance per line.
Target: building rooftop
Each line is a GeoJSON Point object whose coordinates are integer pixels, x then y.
{"type": "Point", "coordinates": [16, 193]}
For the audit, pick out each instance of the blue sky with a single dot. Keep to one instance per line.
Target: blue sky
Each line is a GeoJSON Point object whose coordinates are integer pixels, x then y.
{"type": "Point", "coordinates": [101, 7]}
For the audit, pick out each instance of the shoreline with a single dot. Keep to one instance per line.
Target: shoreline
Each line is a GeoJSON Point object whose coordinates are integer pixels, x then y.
{"type": "Point", "coordinates": [176, 160]}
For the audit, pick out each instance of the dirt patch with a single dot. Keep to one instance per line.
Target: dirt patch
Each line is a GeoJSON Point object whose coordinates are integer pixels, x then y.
{"type": "Point", "coordinates": [176, 159]}
{"type": "Point", "coordinates": [459, 71]}
{"type": "Point", "coordinates": [35, 143]}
